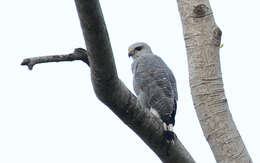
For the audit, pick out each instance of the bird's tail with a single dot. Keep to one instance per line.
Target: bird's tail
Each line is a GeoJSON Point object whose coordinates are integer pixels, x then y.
{"type": "Point", "coordinates": [168, 132]}
{"type": "Point", "coordinates": [168, 123]}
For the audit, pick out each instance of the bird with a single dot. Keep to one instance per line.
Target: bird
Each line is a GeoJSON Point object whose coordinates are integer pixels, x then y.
{"type": "Point", "coordinates": [154, 85]}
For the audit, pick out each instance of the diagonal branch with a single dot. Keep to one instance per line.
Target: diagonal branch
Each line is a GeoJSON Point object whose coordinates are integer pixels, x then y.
{"type": "Point", "coordinates": [78, 54]}
{"type": "Point", "coordinates": [113, 93]}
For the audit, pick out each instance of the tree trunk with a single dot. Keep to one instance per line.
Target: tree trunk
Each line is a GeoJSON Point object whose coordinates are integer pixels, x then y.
{"type": "Point", "coordinates": [202, 38]}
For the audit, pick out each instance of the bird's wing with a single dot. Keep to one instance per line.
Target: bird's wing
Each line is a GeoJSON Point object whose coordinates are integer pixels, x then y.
{"type": "Point", "coordinates": [155, 80]}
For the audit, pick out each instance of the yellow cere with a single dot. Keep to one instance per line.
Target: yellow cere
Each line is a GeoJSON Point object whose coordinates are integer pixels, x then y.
{"type": "Point", "coordinates": [131, 50]}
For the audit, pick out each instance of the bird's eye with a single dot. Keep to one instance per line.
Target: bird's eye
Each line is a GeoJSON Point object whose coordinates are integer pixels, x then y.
{"type": "Point", "coordinates": [139, 48]}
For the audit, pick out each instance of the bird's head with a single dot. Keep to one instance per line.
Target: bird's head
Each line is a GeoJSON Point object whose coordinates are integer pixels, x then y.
{"type": "Point", "coordinates": [138, 49]}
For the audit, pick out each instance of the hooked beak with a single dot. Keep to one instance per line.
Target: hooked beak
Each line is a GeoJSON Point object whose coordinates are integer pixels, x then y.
{"type": "Point", "coordinates": [131, 52]}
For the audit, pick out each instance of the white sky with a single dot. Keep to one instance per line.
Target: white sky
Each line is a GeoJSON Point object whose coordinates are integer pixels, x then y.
{"type": "Point", "coordinates": [51, 114]}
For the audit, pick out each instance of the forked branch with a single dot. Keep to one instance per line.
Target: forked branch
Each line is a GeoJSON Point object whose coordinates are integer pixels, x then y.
{"type": "Point", "coordinates": [111, 90]}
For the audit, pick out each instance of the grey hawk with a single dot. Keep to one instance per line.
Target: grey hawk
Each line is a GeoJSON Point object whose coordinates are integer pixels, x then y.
{"type": "Point", "coordinates": [154, 85]}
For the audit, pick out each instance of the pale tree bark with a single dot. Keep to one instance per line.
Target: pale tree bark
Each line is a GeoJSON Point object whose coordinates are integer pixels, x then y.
{"type": "Point", "coordinates": [202, 38]}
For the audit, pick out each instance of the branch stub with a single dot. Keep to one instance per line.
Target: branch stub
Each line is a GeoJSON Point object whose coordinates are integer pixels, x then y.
{"type": "Point", "coordinates": [200, 10]}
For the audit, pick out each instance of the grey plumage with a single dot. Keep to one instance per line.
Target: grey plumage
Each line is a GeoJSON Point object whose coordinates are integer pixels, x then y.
{"type": "Point", "coordinates": [154, 84]}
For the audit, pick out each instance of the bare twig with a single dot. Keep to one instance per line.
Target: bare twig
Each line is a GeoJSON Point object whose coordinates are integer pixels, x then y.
{"type": "Point", "coordinates": [78, 54]}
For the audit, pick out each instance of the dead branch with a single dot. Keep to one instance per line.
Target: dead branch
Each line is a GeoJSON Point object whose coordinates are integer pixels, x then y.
{"type": "Point", "coordinates": [78, 54]}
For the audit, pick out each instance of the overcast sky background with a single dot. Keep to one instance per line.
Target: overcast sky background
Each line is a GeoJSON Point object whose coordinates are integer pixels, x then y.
{"type": "Point", "coordinates": [51, 114]}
